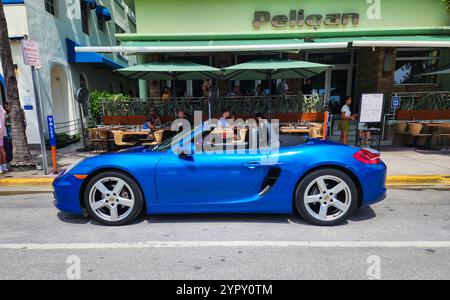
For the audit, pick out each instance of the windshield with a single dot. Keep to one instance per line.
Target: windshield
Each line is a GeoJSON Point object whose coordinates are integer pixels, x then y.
{"type": "Point", "coordinates": [167, 144]}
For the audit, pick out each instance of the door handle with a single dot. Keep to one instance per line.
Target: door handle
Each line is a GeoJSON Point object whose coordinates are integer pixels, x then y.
{"type": "Point", "coordinates": [253, 165]}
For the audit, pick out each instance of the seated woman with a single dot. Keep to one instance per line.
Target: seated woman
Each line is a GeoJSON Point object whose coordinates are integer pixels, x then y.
{"type": "Point", "coordinates": [153, 122]}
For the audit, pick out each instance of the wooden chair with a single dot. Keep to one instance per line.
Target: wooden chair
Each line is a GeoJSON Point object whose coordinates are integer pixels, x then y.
{"type": "Point", "coordinates": [118, 139]}
{"type": "Point", "coordinates": [158, 138]}
{"type": "Point", "coordinates": [315, 132]}
{"type": "Point", "coordinates": [444, 134]}
{"type": "Point", "coordinates": [414, 130]}
{"type": "Point", "coordinates": [400, 130]}
{"type": "Point", "coordinates": [99, 139]}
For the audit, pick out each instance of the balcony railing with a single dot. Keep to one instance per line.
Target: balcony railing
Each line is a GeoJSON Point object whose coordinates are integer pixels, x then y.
{"type": "Point", "coordinates": [237, 105]}
{"type": "Point", "coordinates": [424, 100]}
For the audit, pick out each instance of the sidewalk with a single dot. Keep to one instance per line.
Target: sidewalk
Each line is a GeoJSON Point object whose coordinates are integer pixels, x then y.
{"type": "Point", "coordinates": [404, 165]}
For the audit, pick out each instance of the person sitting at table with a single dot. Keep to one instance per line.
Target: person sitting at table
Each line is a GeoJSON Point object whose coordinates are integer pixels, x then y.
{"type": "Point", "coordinates": [167, 94]}
{"type": "Point", "coordinates": [223, 121]}
{"type": "Point", "coordinates": [153, 121]}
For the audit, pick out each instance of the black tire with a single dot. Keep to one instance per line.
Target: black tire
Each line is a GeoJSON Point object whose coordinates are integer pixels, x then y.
{"type": "Point", "coordinates": [139, 199]}
{"type": "Point", "coordinates": [301, 189]}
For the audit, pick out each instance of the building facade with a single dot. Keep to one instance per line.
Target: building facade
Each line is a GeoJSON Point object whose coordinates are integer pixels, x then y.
{"type": "Point", "coordinates": [374, 45]}
{"type": "Point", "coordinates": [58, 26]}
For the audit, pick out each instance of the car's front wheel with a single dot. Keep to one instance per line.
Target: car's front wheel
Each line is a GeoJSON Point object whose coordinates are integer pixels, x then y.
{"type": "Point", "coordinates": [113, 198]}
{"type": "Point", "coordinates": [326, 197]}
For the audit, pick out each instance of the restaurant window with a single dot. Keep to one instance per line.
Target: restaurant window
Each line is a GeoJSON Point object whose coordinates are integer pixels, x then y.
{"type": "Point", "coordinates": [85, 11]}
{"type": "Point", "coordinates": [84, 85]}
{"type": "Point", "coordinates": [331, 58]}
{"type": "Point", "coordinates": [119, 30]}
{"type": "Point", "coordinates": [101, 23]}
{"type": "Point", "coordinates": [411, 63]}
{"type": "Point", "coordinates": [51, 6]}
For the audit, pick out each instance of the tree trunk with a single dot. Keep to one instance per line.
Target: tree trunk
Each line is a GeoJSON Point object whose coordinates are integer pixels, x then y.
{"type": "Point", "coordinates": [22, 157]}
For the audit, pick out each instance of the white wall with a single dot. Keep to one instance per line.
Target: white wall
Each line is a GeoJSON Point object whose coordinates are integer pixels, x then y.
{"type": "Point", "coordinates": [30, 20]}
{"type": "Point", "coordinates": [18, 27]}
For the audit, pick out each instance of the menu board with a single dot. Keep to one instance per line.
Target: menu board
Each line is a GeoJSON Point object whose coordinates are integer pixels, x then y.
{"type": "Point", "coordinates": [371, 108]}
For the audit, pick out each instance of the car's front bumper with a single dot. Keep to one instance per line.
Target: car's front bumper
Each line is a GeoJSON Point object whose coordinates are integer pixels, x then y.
{"type": "Point", "coordinates": [67, 194]}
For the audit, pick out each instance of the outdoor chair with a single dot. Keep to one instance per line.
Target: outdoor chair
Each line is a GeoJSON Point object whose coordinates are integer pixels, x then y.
{"type": "Point", "coordinates": [158, 138]}
{"type": "Point", "coordinates": [400, 131]}
{"type": "Point", "coordinates": [118, 140]}
{"type": "Point", "coordinates": [315, 132]}
{"type": "Point", "coordinates": [415, 130]}
{"type": "Point", "coordinates": [444, 135]}
{"type": "Point", "coordinates": [99, 140]}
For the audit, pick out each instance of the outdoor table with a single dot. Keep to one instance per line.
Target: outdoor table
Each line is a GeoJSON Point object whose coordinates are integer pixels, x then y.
{"type": "Point", "coordinates": [433, 129]}
{"type": "Point", "coordinates": [294, 130]}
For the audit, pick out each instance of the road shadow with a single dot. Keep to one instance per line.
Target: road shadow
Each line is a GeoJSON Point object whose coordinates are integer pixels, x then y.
{"type": "Point", "coordinates": [219, 218]}
{"type": "Point", "coordinates": [73, 219]}
{"type": "Point", "coordinates": [363, 214]}
{"type": "Point", "coordinates": [360, 215]}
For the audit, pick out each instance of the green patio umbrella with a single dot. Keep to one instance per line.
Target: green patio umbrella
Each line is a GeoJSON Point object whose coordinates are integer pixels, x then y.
{"type": "Point", "coordinates": [274, 69]}
{"type": "Point", "coordinates": [171, 70]}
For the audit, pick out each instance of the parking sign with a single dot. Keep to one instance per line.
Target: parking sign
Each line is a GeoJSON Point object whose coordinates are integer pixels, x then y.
{"type": "Point", "coordinates": [31, 53]}
{"type": "Point", "coordinates": [51, 131]}
{"type": "Point", "coordinates": [395, 102]}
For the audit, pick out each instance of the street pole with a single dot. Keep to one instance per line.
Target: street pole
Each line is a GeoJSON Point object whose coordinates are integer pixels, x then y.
{"type": "Point", "coordinates": [82, 125]}
{"type": "Point", "coordinates": [39, 119]}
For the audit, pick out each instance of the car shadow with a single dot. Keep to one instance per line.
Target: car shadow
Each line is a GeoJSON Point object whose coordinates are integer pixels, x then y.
{"type": "Point", "coordinates": [363, 214]}
{"type": "Point", "coordinates": [360, 215]}
{"type": "Point", "coordinates": [218, 218]}
{"type": "Point", "coordinates": [73, 219]}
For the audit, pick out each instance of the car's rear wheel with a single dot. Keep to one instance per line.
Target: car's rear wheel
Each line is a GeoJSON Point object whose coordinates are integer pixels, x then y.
{"type": "Point", "coordinates": [326, 197]}
{"type": "Point", "coordinates": [113, 198]}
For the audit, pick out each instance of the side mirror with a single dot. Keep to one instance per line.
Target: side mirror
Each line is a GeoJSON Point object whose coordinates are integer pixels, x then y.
{"type": "Point", "coordinates": [185, 151]}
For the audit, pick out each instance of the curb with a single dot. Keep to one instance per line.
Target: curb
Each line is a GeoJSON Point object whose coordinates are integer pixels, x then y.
{"type": "Point", "coordinates": [418, 180]}
{"type": "Point", "coordinates": [392, 181]}
{"type": "Point", "coordinates": [32, 181]}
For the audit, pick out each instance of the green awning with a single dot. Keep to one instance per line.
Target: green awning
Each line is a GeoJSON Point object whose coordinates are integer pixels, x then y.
{"type": "Point", "coordinates": [177, 70]}
{"type": "Point", "coordinates": [274, 69]}
{"type": "Point", "coordinates": [275, 45]}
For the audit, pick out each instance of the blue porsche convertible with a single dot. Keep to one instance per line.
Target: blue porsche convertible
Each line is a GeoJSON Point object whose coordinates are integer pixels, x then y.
{"type": "Point", "coordinates": [324, 181]}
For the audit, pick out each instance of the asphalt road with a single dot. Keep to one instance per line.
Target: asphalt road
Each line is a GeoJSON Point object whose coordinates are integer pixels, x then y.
{"type": "Point", "coordinates": [405, 237]}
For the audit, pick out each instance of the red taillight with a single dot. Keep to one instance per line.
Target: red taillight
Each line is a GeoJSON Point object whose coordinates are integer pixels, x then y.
{"type": "Point", "coordinates": [368, 157]}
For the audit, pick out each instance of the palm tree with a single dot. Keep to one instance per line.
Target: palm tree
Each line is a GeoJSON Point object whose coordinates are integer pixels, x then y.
{"type": "Point", "coordinates": [22, 156]}
{"type": "Point", "coordinates": [446, 3]}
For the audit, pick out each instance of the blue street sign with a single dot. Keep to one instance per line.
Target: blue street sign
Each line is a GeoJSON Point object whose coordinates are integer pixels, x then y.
{"type": "Point", "coordinates": [395, 102]}
{"type": "Point", "coordinates": [51, 130]}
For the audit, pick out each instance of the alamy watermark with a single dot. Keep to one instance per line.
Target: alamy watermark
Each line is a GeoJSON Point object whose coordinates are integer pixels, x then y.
{"type": "Point", "coordinates": [73, 271]}
{"type": "Point", "coordinates": [227, 136]}
{"type": "Point", "coordinates": [374, 269]}
{"type": "Point", "coordinates": [374, 9]}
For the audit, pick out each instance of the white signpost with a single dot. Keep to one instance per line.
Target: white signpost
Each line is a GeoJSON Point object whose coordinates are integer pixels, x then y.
{"type": "Point", "coordinates": [31, 54]}
{"type": "Point", "coordinates": [371, 108]}
{"type": "Point", "coordinates": [31, 58]}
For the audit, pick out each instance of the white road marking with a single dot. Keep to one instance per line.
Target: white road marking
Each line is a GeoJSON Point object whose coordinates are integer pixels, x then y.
{"type": "Point", "coordinates": [229, 244]}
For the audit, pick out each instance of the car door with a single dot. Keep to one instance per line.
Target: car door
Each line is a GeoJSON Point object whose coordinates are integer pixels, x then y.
{"type": "Point", "coordinates": [209, 178]}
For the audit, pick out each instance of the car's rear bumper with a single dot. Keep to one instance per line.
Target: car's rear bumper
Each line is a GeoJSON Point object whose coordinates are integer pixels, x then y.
{"type": "Point", "coordinates": [373, 182]}
{"type": "Point", "coordinates": [67, 194]}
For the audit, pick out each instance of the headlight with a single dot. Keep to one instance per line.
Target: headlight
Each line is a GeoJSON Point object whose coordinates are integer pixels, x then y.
{"type": "Point", "coordinates": [72, 166]}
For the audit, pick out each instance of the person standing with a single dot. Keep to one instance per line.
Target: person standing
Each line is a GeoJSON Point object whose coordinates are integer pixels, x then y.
{"type": "Point", "coordinates": [205, 88]}
{"type": "Point", "coordinates": [307, 88]}
{"type": "Point", "coordinates": [3, 167]}
{"type": "Point", "coordinates": [346, 117]}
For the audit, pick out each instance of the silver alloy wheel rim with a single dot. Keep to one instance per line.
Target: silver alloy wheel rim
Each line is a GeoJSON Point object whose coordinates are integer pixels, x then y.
{"type": "Point", "coordinates": [327, 198]}
{"type": "Point", "coordinates": [111, 199]}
